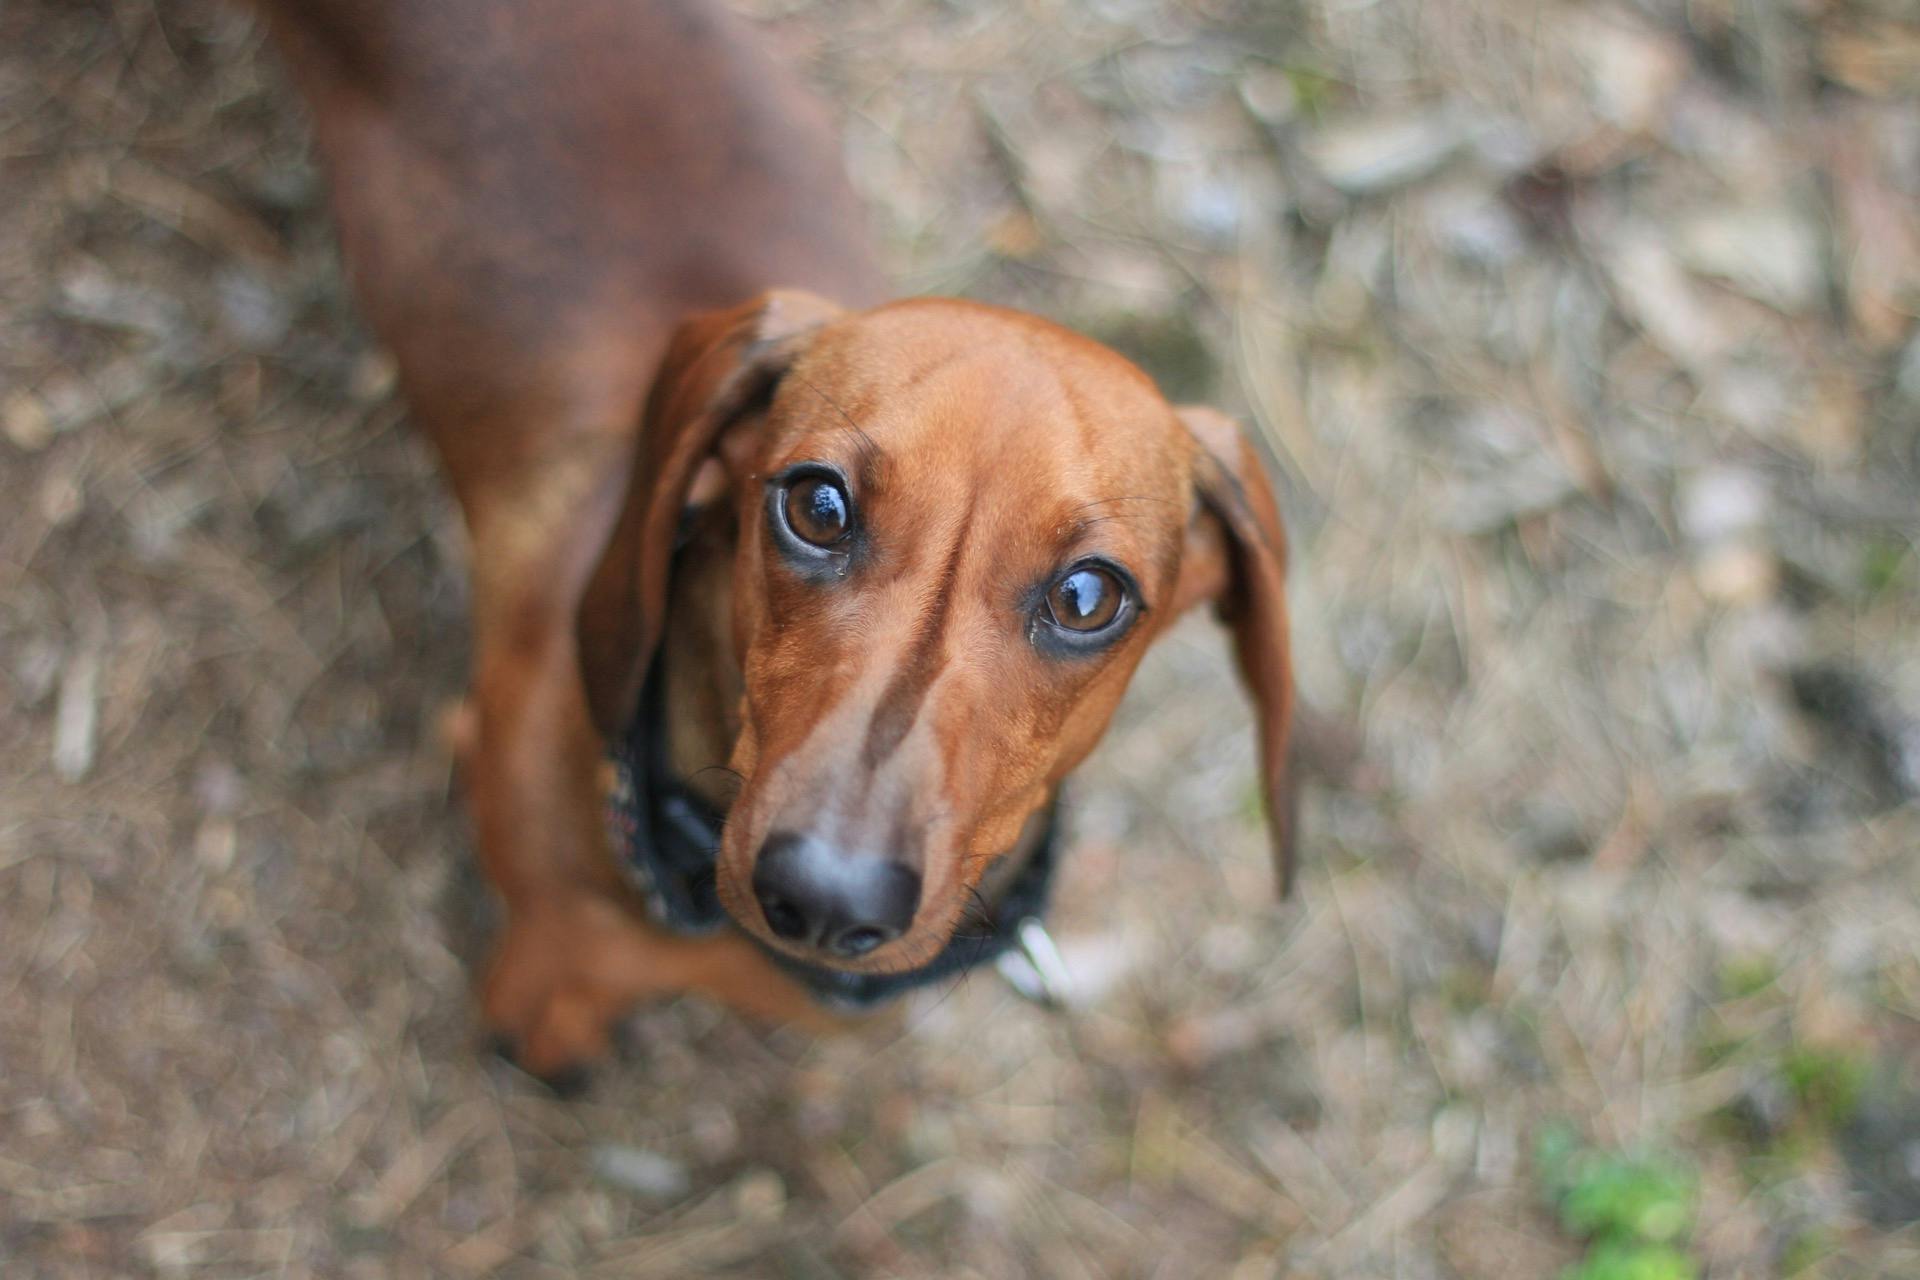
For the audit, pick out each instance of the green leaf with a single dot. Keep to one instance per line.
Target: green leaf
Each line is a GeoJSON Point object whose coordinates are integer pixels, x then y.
{"type": "Point", "coordinates": [1881, 565]}
{"type": "Point", "coordinates": [1633, 1262]}
{"type": "Point", "coordinates": [1609, 1197]}
{"type": "Point", "coordinates": [1616, 1196]}
{"type": "Point", "coordinates": [1827, 1083]}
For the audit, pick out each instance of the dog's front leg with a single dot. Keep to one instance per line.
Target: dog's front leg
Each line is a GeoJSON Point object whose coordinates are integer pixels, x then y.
{"type": "Point", "coordinates": [539, 501]}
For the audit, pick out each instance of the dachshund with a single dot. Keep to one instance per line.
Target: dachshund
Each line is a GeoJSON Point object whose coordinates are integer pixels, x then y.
{"type": "Point", "coordinates": [792, 606]}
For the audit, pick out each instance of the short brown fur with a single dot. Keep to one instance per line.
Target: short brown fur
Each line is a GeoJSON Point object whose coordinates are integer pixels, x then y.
{"type": "Point", "coordinates": [579, 226]}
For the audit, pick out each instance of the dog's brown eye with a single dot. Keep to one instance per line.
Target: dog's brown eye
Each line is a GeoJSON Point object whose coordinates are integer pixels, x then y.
{"type": "Point", "coordinates": [1087, 599]}
{"type": "Point", "coordinates": [818, 511]}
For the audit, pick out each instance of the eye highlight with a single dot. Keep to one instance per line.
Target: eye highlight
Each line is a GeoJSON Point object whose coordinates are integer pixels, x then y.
{"type": "Point", "coordinates": [818, 510]}
{"type": "Point", "coordinates": [812, 521]}
{"type": "Point", "coordinates": [1086, 599]}
{"type": "Point", "coordinates": [1088, 607]}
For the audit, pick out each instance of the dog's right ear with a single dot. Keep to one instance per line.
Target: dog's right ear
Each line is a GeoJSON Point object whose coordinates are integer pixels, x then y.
{"type": "Point", "coordinates": [1237, 557]}
{"type": "Point", "coordinates": [719, 367]}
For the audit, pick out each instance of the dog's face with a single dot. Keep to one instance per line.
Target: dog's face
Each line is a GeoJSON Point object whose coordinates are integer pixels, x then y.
{"type": "Point", "coordinates": [959, 532]}
{"type": "Point", "coordinates": [958, 529]}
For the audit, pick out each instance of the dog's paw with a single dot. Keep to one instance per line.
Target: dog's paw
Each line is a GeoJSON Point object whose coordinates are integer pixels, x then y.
{"type": "Point", "coordinates": [566, 1084]}
{"type": "Point", "coordinates": [563, 975]}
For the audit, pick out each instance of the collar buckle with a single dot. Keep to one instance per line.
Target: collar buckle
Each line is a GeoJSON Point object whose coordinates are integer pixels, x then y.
{"type": "Point", "coordinates": [1034, 967]}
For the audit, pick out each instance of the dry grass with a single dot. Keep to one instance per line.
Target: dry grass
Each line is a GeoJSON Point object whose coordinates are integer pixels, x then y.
{"type": "Point", "coordinates": [1585, 336]}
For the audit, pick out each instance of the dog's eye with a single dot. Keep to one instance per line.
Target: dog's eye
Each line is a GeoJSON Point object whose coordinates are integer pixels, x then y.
{"type": "Point", "coordinates": [818, 511]}
{"type": "Point", "coordinates": [1087, 598]}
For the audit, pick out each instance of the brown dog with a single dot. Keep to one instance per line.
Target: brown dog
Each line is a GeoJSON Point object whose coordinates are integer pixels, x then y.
{"type": "Point", "coordinates": [868, 582]}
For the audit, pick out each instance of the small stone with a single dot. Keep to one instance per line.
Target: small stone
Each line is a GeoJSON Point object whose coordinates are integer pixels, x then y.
{"type": "Point", "coordinates": [759, 1195]}
{"type": "Point", "coordinates": [24, 418]}
{"type": "Point", "coordinates": [1632, 70]}
{"type": "Point", "coordinates": [1269, 94]}
{"type": "Point", "coordinates": [62, 496]}
{"type": "Point", "coordinates": [1722, 503]}
{"type": "Point", "coordinates": [1657, 295]}
{"type": "Point", "coordinates": [1881, 60]}
{"type": "Point", "coordinates": [1366, 157]}
{"type": "Point", "coordinates": [713, 1130]}
{"type": "Point", "coordinates": [1505, 145]}
{"type": "Point", "coordinates": [88, 292]}
{"type": "Point", "coordinates": [1016, 235]}
{"type": "Point", "coordinates": [374, 375]}
{"type": "Point", "coordinates": [219, 788]}
{"type": "Point", "coordinates": [76, 717]}
{"type": "Point", "coordinates": [213, 845]}
{"type": "Point", "coordinates": [1207, 205]}
{"type": "Point", "coordinates": [1476, 227]}
{"type": "Point", "coordinates": [1757, 396]}
{"type": "Point", "coordinates": [1772, 254]}
{"type": "Point", "coordinates": [644, 1173]}
{"type": "Point", "coordinates": [1455, 1133]}
{"type": "Point", "coordinates": [228, 909]}
{"type": "Point", "coordinates": [256, 314]}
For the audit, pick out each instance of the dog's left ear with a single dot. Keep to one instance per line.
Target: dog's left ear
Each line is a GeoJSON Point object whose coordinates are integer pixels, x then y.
{"type": "Point", "coordinates": [718, 372]}
{"type": "Point", "coordinates": [1236, 556]}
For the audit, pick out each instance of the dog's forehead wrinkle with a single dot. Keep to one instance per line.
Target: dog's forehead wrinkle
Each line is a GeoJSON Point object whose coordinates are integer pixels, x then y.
{"type": "Point", "coordinates": [1096, 510]}
{"type": "Point", "coordinates": [1044, 413]}
{"type": "Point", "coordinates": [879, 353]}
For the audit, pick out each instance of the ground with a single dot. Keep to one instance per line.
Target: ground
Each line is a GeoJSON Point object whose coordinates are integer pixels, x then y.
{"type": "Point", "coordinates": [1583, 337]}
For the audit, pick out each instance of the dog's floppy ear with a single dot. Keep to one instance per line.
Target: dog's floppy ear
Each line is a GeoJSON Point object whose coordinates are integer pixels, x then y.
{"type": "Point", "coordinates": [1236, 556]}
{"type": "Point", "coordinates": [719, 367]}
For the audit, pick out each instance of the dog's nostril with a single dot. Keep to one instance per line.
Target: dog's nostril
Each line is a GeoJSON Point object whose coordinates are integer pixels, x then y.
{"type": "Point", "coordinates": [783, 918]}
{"type": "Point", "coordinates": [847, 905]}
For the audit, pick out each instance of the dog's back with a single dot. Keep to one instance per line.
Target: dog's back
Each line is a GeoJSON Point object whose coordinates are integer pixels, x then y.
{"type": "Point", "coordinates": [522, 178]}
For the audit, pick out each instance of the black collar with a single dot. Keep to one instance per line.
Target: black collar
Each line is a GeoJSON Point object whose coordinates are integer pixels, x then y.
{"type": "Point", "coordinates": [669, 838]}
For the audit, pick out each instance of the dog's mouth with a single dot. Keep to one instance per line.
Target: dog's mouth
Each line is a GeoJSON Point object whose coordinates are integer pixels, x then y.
{"type": "Point", "coordinates": [669, 838]}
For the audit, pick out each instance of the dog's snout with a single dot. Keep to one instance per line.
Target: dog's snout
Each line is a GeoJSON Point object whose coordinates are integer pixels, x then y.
{"type": "Point", "coordinates": [843, 904]}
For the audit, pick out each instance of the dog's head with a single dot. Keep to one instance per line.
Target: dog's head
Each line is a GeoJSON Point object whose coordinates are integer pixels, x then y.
{"type": "Point", "coordinates": [956, 531]}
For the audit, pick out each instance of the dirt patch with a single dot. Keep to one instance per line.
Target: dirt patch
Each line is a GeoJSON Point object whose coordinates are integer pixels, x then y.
{"type": "Point", "coordinates": [1586, 347]}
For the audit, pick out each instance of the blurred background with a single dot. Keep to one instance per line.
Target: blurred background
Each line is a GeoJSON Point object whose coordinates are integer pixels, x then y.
{"type": "Point", "coordinates": [1584, 338]}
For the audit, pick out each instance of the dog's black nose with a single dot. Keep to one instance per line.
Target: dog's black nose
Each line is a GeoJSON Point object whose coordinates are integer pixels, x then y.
{"type": "Point", "coordinates": [843, 904]}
